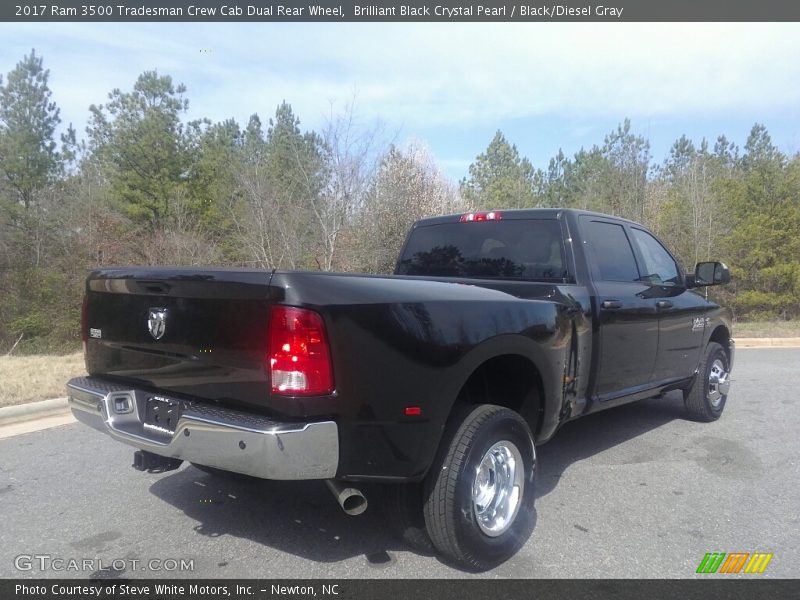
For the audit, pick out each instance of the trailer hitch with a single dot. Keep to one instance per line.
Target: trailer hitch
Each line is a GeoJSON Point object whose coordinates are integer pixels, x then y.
{"type": "Point", "coordinates": [154, 463]}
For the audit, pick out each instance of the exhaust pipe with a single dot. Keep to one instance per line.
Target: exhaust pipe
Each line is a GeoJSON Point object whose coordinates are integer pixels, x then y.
{"type": "Point", "coordinates": [352, 501]}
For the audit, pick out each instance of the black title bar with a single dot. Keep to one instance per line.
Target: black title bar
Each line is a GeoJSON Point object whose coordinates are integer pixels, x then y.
{"type": "Point", "coordinates": [410, 11]}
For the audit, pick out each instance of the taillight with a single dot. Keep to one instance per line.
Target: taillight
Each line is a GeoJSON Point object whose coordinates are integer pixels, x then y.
{"type": "Point", "coordinates": [84, 322]}
{"type": "Point", "coordinates": [299, 358]}
{"type": "Point", "coordinates": [493, 215]}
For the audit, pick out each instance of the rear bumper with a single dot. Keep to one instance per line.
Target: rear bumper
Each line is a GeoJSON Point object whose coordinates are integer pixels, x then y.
{"type": "Point", "coordinates": [209, 435]}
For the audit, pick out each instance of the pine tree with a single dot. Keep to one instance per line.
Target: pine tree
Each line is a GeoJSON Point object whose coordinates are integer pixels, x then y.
{"type": "Point", "coordinates": [500, 178]}
{"type": "Point", "coordinates": [139, 140]}
{"type": "Point", "coordinates": [28, 120]}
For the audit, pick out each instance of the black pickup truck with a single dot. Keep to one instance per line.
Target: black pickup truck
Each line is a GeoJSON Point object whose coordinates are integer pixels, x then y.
{"type": "Point", "coordinates": [438, 381]}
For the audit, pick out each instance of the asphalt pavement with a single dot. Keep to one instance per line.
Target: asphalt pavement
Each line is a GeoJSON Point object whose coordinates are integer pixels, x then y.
{"type": "Point", "coordinates": [636, 491]}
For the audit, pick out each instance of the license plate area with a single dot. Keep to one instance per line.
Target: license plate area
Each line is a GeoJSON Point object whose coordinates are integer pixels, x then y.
{"type": "Point", "coordinates": [161, 415]}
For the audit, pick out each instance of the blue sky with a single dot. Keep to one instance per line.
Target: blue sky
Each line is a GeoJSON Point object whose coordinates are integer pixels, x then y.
{"type": "Point", "coordinates": [545, 85]}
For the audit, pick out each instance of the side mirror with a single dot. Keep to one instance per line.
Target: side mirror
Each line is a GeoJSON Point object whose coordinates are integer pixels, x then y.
{"type": "Point", "coordinates": [710, 273]}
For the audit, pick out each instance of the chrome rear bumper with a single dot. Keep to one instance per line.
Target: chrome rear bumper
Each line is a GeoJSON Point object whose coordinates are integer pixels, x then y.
{"type": "Point", "coordinates": [208, 435]}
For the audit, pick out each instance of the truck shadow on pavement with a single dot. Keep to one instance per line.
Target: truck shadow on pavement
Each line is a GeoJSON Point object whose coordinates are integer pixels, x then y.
{"type": "Point", "coordinates": [302, 518]}
{"type": "Point", "coordinates": [594, 434]}
{"type": "Point", "coordinates": [298, 517]}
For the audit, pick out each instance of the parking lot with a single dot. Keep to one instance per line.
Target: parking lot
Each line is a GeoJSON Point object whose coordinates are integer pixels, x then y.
{"type": "Point", "coordinates": [636, 491]}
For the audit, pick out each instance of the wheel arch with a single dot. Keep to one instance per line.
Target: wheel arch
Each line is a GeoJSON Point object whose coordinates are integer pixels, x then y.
{"type": "Point", "coordinates": [722, 335]}
{"type": "Point", "coordinates": [515, 372]}
{"type": "Point", "coordinates": [509, 380]}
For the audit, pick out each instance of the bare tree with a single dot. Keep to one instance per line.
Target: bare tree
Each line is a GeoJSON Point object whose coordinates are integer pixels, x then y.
{"type": "Point", "coordinates": [254, 219]}
{"type": "Point", "coordinates": [407, 187]}
{"type": "Point", "coordinates": [352, 154]}
{"type": "Point", "coordinates": [689, 214]}
{"type": "Point", "coordinates": [182, 240]}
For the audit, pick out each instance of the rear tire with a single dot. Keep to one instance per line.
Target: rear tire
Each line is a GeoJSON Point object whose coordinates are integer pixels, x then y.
{"type": "Point", "coordinates": [403, 504]}
{"type": "Point", "coordinates": [479, 493]}
{"type": "Point", "coordinates": [705, 400]}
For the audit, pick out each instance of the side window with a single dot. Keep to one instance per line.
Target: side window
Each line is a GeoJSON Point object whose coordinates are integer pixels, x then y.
{"type": "Point", "coordinates": [612, 255]}
{"type": "Point", "coordinates": [659, 266]}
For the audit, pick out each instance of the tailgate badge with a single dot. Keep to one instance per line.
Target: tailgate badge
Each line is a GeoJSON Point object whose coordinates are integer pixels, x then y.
{"type": "Point", "coordinates": [157, 322]}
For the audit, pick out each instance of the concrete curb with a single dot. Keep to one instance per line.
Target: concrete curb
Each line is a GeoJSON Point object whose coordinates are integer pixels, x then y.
{"type": "Point", "coordinates": [787, 342]}
{"type": "Point", "coordinates": [33, 410]}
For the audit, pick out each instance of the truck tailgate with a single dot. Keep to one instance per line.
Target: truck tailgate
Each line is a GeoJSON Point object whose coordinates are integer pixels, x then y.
{"type": "Point", "coordinates": [202, 333]}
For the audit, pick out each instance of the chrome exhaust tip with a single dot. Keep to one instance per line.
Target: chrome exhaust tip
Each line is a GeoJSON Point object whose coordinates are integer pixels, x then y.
{"type": "Point", "coordinates": [352, 501]}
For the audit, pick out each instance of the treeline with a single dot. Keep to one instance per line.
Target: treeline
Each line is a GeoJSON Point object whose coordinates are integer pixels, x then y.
{"type": "Point", "coordinates": [144, 185]}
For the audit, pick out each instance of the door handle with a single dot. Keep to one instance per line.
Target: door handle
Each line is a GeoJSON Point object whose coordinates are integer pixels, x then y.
{"type": "Point", "coordinates": [664, 304]}
{"type": "Point", "coordinates": [611, 304]}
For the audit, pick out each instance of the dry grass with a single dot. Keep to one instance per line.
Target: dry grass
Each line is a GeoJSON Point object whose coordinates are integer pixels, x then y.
{"type": "Point", "coordinates": [767, 329]}
{"type": "Point", "coordinates": [30, 378]}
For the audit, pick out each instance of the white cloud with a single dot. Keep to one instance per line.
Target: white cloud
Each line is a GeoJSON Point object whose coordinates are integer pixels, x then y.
{"type": "Point", "coordinates": [423, 75]}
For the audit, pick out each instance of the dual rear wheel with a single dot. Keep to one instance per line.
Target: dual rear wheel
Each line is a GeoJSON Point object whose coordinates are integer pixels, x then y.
{"type": "Point", "coordinates": [476, 505]}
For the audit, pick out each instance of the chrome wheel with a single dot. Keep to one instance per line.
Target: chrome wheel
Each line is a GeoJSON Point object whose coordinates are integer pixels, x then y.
{"type": "Point", "coordinates": [479, 494]}
{"type": "Point", "coordinates": [718, 383]}
{"type": "Point", "coordinates": [498, 488]}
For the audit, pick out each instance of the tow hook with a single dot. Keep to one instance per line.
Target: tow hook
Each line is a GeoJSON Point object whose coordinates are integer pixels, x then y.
{"type": "Point", "coordinates": [154, 463]}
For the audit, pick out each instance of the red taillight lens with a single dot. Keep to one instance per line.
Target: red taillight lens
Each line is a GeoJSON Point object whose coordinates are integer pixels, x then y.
{"type": "Point", "coordinates": [84, 321]}
{"type": "Point", "coordinates": [299, 358]}
{"type": "Point", "coordinates": [493, 215]}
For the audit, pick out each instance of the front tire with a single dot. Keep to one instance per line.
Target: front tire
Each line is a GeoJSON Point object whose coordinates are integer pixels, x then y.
{"type": "Point", "coordinates": [705, 400]}
{"type": "Point", "coordinates": [480, 491]}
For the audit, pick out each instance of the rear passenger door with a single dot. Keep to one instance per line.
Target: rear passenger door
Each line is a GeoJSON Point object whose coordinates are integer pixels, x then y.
{"type": "Point", "coordinates": [627, 321]}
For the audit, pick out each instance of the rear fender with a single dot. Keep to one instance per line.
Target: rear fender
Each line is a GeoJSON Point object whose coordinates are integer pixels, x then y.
{"type": "Point", "coordinates": [547, 357]}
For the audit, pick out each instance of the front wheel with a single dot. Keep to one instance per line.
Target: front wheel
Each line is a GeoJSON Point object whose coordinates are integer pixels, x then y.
{"type": "Point", "coordinates": [480, 491]}
{"type": "Point", "coordinates": [705, 400]}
